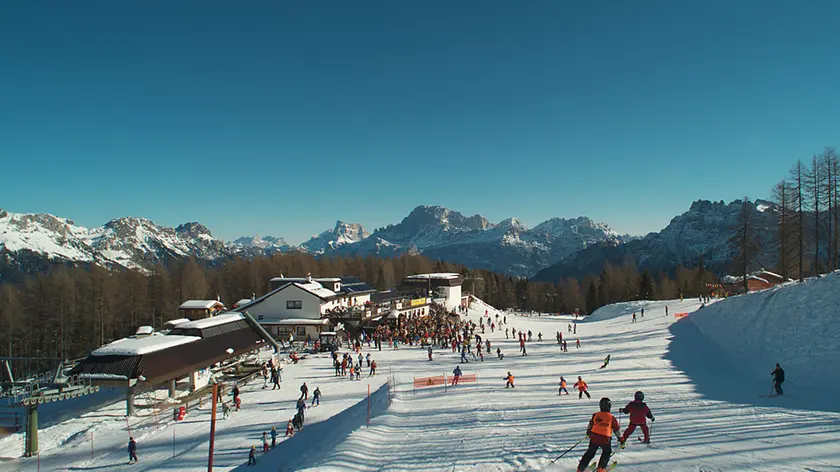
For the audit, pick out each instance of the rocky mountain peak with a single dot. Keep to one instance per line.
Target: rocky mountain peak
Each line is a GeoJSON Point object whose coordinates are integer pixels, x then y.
{"type": "Point", "coordinates": [193, 230]}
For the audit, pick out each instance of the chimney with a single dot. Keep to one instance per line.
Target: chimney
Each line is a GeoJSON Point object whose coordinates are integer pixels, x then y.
{"type": "Point", "coordinates": [253, 296]}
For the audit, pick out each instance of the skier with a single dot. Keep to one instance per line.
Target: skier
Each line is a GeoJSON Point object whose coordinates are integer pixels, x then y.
{"type": "Point", "coordinates": [297, 421]}
{"type": "Point", "coordinates": [634, 318]}
{"type": "Point", "coordinates": [778, 379]}
{"type": "Point", "coordinates": [600, 430]}
{"type": "Point", "coordinates": [367, 358]}
{"type": "Point", "coordinates": [304, 391]}
{"type": "Point", "coordinates": [539, 336]}
{"type": "Point", "coordinates": [457, 375]}
{"type": "Point", "coordinates": [606, 362]}
{"type": "Point", "coordinates": [509, 379]}
{"type": "Point", "coordinates": [428, 350]}
{"type": "Point", "coordinates": [225, 410]}
{"type": "Point", "coordinates": [359, 372]}
{"type": "Point", "coordinates": [643, 312]}
{"type": "Point", "coordinates": [524, 351]}
{"type": "Point", "coordinates": [301, 406]}
{"type": "Point", "coordinates": [499, 353]}
{"type": "Point", "coordinates": [373, 368]}
{"type": "Point", "coordinates": [562, 386]}
{"type": "Point", "coordinates": [235, 394]}
{"type": "Point", "coordinates": [132, 451]}
{"type": "Point", "coordinates": [666, 310]}
{"type": "Point", "coordinates": [464, 355]}
{"type": "Point", "coordinates": [638, 411]}
{"type": "Point", "coordinates": [506, 333]}
{"type": "Point", "coordinates": [252, 456]}
{"type": "Point", "coordinates": [488, 346]}
{"type": "Point", "coordinates": [577, 343]}
{"type": "Point", "coordinates": [273, 437]}
{"type": "Point", "coordinates": [290, 429]}
{"type": "Point", "coordinates": [529, 336]}
{"type": "Point", "coordinates": [276, 377]}
{"type": "Point", "coordinates": [574, 331]}
{"type": "Point", "coordinates": [582, 388]}
{"type": "Point", "coordinates": [559, 338]}
{"type": "Point", "coordinates": [570, 327]}
{"type": "Point", "coordinates": [565, 346]}
{"type": "Point", "coordinates": [316, 397]}
{"type": "Point", "coordinates": [265, 442]}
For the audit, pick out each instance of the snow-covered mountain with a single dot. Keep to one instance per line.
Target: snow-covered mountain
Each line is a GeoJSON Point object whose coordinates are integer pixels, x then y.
{"type": "Point", "coordinates": [132, 243]}
{"type": "Point", "coordinates": [260, 245]}
{"type": "Point", "coordinates": [508, 247]}
{"type": "Point", "coordinates": [331, 239]}
{"type": "Point", "coordinates": [703, 231]}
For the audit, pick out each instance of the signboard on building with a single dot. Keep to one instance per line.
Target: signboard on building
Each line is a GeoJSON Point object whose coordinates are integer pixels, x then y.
{"type": "Point", "coordinates": [418, 301]}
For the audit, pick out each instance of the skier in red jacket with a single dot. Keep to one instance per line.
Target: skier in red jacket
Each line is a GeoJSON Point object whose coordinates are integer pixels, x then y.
{"type": "Point", "coordinates": [639, 412]}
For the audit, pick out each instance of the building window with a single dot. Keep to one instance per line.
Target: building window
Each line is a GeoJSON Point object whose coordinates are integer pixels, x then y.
{"type": "Point", "coordinates": [294, 304]}
{"type": "Point", "coordinates": [283, 331]}
{"type": "Point", "coordinates": [301, 330]}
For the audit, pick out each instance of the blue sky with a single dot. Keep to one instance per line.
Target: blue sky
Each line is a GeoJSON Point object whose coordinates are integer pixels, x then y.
{"type": "Point", "coordinates": [281, 117]}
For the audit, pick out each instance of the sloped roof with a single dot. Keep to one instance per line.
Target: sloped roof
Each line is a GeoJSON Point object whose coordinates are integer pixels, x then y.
{"type": "Point", "coordinates": [140, 346]}
{"type": "Point", "coordinates": [199, 304]}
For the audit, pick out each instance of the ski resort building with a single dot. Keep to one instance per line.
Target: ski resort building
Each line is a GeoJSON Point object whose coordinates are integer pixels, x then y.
{"type": "Point", "coordinates": [445, 288]}
{"type": "Point", "coordinates": [149, 359]}
{"type": "Point", "coordinates": [760, 280]}
{"type": "Point", "coordinates": [198, 309]}
{"type": "Point", "coordinates": [304, 306]}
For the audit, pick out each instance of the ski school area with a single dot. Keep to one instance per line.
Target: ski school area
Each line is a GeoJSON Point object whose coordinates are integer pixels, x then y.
{"type": "Point", "coordinates": [705, 374]}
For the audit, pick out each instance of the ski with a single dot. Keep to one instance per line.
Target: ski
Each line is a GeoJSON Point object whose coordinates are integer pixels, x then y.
{"type": "Point", "coordinates": [610, 466]}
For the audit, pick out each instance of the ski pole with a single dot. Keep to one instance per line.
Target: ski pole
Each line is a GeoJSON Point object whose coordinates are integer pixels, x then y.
{"type": "Point", "coordinates": [570, 450]}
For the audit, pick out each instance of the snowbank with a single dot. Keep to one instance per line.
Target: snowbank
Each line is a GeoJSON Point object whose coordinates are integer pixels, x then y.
{"type": "Point", "coordinates": [740, 339]}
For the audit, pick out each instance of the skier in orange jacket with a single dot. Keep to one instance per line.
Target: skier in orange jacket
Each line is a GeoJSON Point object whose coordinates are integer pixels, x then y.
{"type": "Point", "coordinates": [581, 387]}
{"type": "Point", "coordinates": [601, 428]}
{"type": "Point", "coordinates": [509, 379]}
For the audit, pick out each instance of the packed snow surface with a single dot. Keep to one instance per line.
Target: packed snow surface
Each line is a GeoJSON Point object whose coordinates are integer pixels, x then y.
{"type": "Point", "coordinates": [706, 378]}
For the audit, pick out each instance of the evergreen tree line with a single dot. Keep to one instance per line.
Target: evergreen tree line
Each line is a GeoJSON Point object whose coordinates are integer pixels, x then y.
{"type": "Point", "coordinates": [68, 311]}
{"type": "Point", "coordinates": [806, 222]}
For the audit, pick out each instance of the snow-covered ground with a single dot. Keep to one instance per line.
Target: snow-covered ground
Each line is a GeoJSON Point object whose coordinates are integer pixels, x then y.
{"type": "Point", "coordinates": [704, 377]}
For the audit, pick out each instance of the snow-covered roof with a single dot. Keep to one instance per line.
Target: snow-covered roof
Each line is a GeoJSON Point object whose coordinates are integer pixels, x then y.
{"type": "Point", "coordinates": [140, 346]}
{"type": "Point", "coordinates": [242, 302]}
{"type": "Point", "coordinates": [199, 304]}
{"type": "Point", "coordinates": [771, 274]}
{"type": "Point", "coordinates": [176, 322]}
{"type": "Point", "coordinates": [437, 276]}
{"type": "Point", "coordinates": [145, 330]}
{"type": "Point", "coordinates": [214, 321]}
{"type": "Point", "coordinates": [316, 289]}
{"type": "Point", "coordinates": [299, 321]}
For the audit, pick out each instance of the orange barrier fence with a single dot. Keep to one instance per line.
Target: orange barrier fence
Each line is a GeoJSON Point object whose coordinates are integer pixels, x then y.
{"type": "Point", "coordinates": [423, 382]}
{"type": "Point", "coordinates": [680, 315]}
{"type": "Point", "coordinates": [463, 379]}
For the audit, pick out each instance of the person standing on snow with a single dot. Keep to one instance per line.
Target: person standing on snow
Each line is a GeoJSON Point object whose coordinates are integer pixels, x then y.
{"type": "Point", "coordinates": [457, 375]}
{"type": "Point", "coordinates": [565, 346]}
{"type": "Point", "coordinates": [582, 388]}
{"type": "Point", "coordinates": [316, 397]}
{"type": "Point", "coordinates": [559, 338]}
{"type": "Point", "coordinates": [273, 437]}
{"type": "Point", "coordinates": [252, 456]}
{"type": "Point", "coordinates": [372, 368]}
{"type": "Point", "coordinates": [367, 359]}
{"type": "Point", "coordinates": [570, 327]}
{"type": "Point", "coordinates": [562, 386]}
{"type": "Point", "coordinates": [634, 318]}
{"type": "Point", "coordinates": [577, 342]}
{"type": "Point", "coordinates": [606, 362]}
{"type": "Point", "coordinates": [639, 412]}
{"type": "Point", "coordinates": [778, 379]}
{"type": "Point", "coordinates": [304, 391]}
{"type": "Point", "coordinates": [601, 428]}
{"type": "Point", "coordinates": [428, 350]}
{"type": "Point", "coordinates": [539, 336]}
{"type": "Point", "coordinates": [643, 312]}
{"type": "Point", "coordinates": [506, 334]}
{"type": "Point", "coordinates": [509, 380]}
{"type": "Point", "coordinates": [132, 451]}
{"type": "Point", "coordinates": [529, 336]}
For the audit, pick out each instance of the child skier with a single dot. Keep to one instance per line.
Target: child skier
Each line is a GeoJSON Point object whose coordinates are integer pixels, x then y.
{"type": "Point", "coordinates": [273, 437]}
{"type": "Point", "coordinates": [316, 397]}
{"type": "Point", "coordinates": [252, 456]}
{"type": "Point", "coordinates": [372, 368]}
{"type": "Point", "coordinates": [265, 442]}
{"type": "Point", "coordinates": [509, 379]}
{"type": "Point", "coordinates": [638, 411]}
{"type": "Point", "coordinates": [600, 430]}
{"type": "Point", "coordinates": [290, 429]}
{"type": "Point", "coordinates": [582, 388]}
{"type": "Point", "coordinates": [562, 386]}
{"type": "Point", "coordinates": [606, 362]}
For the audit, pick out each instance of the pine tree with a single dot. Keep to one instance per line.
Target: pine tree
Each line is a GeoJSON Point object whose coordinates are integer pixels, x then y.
{"type": "Point", "coordinates": [797, 175]}
{"type": "Point", "coordinates": [743, 242]}
{"type": "Point", "coordinates": [646, 286]}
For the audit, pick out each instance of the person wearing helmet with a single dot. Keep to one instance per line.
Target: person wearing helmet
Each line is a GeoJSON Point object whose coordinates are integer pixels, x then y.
{"type": "Point", "coordinates": [509, 379]}
{"type": "Point", "coordinates": [601, 428]}
{"type": "Point", "coordinates": [639, 412]}
{"type": "Point", "coordinates": [582, 388]}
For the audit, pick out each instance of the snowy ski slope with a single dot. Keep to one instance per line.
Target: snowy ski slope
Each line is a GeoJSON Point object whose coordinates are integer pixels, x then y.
{"type": "Point", "coordinates": [704, 378]}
